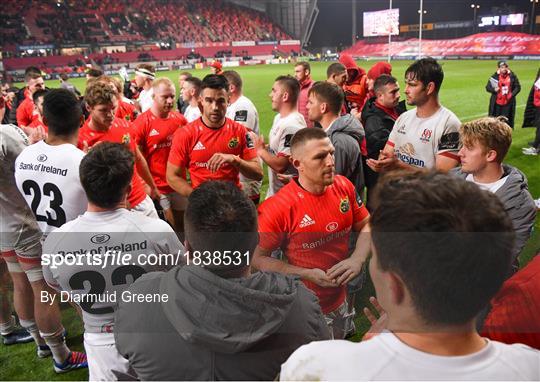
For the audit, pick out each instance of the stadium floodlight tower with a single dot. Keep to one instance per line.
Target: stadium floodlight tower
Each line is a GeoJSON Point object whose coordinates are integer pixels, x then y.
{"type": "Point", "coordinates": [421, 11]}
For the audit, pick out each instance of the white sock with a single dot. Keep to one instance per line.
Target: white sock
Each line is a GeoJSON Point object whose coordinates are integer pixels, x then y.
{"type": "Point", "coordinates": [58, 346]}
{"type": "Point", "coordinates": [7, 327]}
{"type": "Point", "coordinates": [31, 327]}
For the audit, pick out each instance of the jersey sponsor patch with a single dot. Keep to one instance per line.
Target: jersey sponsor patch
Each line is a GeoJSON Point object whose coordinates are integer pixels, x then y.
{"type": "Point", "coordinates": [449, 141]}
{"type": "Point", "coordinates": [288, 139]}
{"type": "Point", "coordinates": [241, 116]}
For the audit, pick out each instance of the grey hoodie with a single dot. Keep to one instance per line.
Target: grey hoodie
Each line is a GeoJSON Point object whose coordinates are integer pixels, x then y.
{"type": "Point", "coordinates": [347, 134]}
{"type": "Point", "coordinates": [214, 328]}
{"type": "Point", "coordinates": [518, 203]}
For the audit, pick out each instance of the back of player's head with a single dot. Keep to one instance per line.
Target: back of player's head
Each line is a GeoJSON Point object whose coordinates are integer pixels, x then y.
{"type": "Point", "coordinates": [64, 77]}
{"type": "Point", "coordinates": [304, 64]}
{"type": "Point", "coordinates": [114, 83]}
{"type": "Point", "coordinates": [94, 72]}
{"type": "Point", "coordinates": [32, 72]}
{"type": "Point", "coordinates": [448, 241]}
{"type": "Point", "coordinates": [233, 78]}
{"type": "Point", "coordinates": [106, 173]}
{"type": "Point", "coordinates": [219, 218]}
{"type": "Point", "coordinates": [291, 85]}
{"type": "Point", "coordinates": [330, 94]}
{"type": "Point", "coordinates": [215, 81]}
{"type": "Point", "coordinates": [305, 135]}
{"type": "Point", "coordinates": [335, 69]}
{"type": "Point", "coordinates": [162, 81]}
{"type": "Point", "coordinates": [382, 81]}
{"type": "Point", "coordinates": [195, 83]}
{"type": "Point", "coordinates": [490, 132]}
{"type": "Point", "coordinates": [426, 70]}
{"type": "Point", "coordinates": [99, 93]}
{"type": "Point", "coordinates": [39, 93]}
{"type": "Point", "coordinates": [61, 112]}
{"type": "Point", "coordinates": [185, 75]}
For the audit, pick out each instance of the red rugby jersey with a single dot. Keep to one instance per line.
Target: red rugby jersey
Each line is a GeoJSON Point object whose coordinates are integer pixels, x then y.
{"type": "Point", "coordinates": [121, 131]}
{"type": "Point", "coordinates": [195, 144]}
{"type": "Point", "coordinates": [25, 112]}
{"type": "Point", "coordinates": [154, 136]}
{"type": "Point", "coordinates": [126, 111]}
{"type": "Point", "coordinates": [36, 123]}
{"type": "Point", "coordinates": [312, 230]}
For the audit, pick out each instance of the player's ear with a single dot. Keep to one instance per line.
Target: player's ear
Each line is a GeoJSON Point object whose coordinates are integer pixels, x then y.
{"type": "Point", "coordinates": [295, 162]}
{"type": "Point", "coordinates": [45, 120]}
{"type": "Point", "coordinates": [430, 88]}
{"type": "Point", "coordinates": [396, 287]}
{"type": "Point", "coordinates": [285, 97]}
{"type": "Point", "coordinates": [491, 156]}
{"type": "Point", "coordinates": [88, 108]}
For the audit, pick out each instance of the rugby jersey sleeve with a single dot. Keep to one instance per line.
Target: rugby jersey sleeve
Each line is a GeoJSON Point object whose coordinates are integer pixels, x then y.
{"type": "Point", "coordinates": [271, 224]}
{"type": "Point", "coordinates": [448, 144]}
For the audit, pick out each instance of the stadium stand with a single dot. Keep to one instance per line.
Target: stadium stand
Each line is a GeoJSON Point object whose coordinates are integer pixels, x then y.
{"type": "Point", "coordinates": [140, 20]}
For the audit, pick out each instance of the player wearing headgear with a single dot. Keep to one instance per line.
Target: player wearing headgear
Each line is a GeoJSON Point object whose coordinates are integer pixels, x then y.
{"type": "Point", "coordinates": [145, 74]}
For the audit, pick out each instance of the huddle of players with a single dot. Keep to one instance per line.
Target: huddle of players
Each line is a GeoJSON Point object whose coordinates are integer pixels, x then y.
{"type": "Point", "coordinates": [309, 218]}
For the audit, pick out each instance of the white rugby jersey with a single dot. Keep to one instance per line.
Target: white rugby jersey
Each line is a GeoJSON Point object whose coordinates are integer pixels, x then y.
{"type": "Point", "coordinates": [48, 178]}
{"type": "Point", "coordinates": [279, 143]}
{"type": "Point", "coordinates": [244, 111]}
{"type": "Point", "coordinates": [418, 141]}
{"type": "Point", "coordinates": [110, 251]}
{"type": "Point", "coordinates": [145, 99]}
{"type": "Point", "coordinates": [17, 223]}
{"type": "Point", "coordinates": [192, 113]}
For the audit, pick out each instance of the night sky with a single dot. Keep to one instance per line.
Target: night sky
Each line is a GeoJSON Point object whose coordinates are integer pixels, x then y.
{"type": "Point", "coordinates": [334, 23]}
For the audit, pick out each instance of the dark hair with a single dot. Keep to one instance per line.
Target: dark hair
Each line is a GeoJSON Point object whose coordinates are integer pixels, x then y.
{"type": "Point", "coordinates": [32, 72]}
{"type": "Point", "coordinates": [335, 68]}
{"type": "Point", "coordinates": [219, 217]}
{"type": "Point", "coordinates": [94, 73]}
{"type": "Point", "coordinates": [292, 86]}
{"type": "Point", "coordinates": [62, 112]}
{"type": "Point", "coordinates": [233, 77]}
{"type": "Point", "coordinates": [106, 173]}
{"type": "Point", "coordinates": [448, 240]}
{"type": "Point", "coordinates": [426, 70]}
{"type": "Point", "coordinates": [64, 77]}
{"type": "Point", "coordinates": [330, 94]}
{"type": "Point", "coordinates": [306, 134]}
{"type": "Point", "coordinates": [382, 81]}
{"type": "Point", "coordinates": [185, 74]}
{"type": "Point", "coordinates": [39, 93]}
{"type": "Point", "coordinates": [215, 81]}
{"type": "Point", "coordinates": [196, 83]}
{"type": "Point", "coordinates": [303, 64]}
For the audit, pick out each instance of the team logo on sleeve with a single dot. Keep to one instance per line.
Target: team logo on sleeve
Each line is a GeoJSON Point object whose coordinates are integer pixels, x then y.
{"type": "Point", "coordinates": [449, 141]}
{"type": "Point", "coordinates": [126, 139]}
{"type": "Point", "coordinates": [233, 142]}
{"type": "Point", "coordinates": [241, 116]}
{"type": "Point", "coordinates": [249, 141]}
{"type": "Point", "coordinates": [344, 205]}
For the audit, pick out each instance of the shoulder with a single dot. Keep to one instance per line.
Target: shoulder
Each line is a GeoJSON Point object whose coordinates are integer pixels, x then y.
{"type": "Point", "coordinates": [451, 117]}
{"type": "Point", "coordinates": [522, 358]}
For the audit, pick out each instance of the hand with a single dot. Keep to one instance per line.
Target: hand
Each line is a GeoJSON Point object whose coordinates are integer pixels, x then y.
{"type": "Point", "coordinates": [356, 113]}
{"type": "Point", "coordinates": [259, 142]}
{"type": "Point", "coordinates": [218, 159]}
{"type": "Point", "coordinates": [87, 148]}
{"type": "Point", "coordinates": [384, 163]}
{"type": "Point", "coordinates": [319, 277]}
{"type": "Point", "coordinates": [377, 324]}
{"type": "Point", "coordinates": [345, 271]}
{"type": "Point", "coordinates": [154, 193]}
{"type": "Point", "coordinates": [36, 135]}
{"type": "Point", "coordinates": [284, 178]}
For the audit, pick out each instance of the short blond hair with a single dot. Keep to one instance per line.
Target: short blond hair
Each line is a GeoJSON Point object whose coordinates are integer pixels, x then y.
{"type": "Point", "coordinates": [164, 81]}
{"type": "Point", "coordinates": [490, 132]}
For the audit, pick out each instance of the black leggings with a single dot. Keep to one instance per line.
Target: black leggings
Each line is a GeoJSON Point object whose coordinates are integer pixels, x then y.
{"type": "Point", "coordinates": [536, 143]}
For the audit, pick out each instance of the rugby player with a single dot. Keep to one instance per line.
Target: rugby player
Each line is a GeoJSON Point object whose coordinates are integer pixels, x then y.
{"type": "Point", "coordinates": [212, 147]}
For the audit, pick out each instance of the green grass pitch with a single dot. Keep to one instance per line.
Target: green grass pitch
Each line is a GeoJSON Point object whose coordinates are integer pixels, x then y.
{"type": "Point", "coordinates": [462, 92]}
